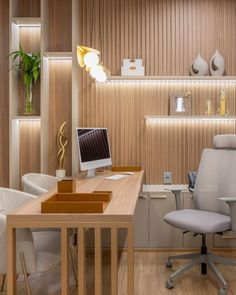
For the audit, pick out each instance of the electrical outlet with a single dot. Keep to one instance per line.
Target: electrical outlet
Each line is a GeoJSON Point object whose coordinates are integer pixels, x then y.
{"type": "Point", "coordinates": [167, 177]}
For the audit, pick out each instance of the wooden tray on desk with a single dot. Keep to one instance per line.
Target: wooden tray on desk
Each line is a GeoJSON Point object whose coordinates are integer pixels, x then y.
{"type": "Point", "coordinates": [95, 202]}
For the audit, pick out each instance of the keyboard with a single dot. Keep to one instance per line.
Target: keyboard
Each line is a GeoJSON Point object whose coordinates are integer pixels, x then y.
{"type": "Point", "coordinates": [116, 176]}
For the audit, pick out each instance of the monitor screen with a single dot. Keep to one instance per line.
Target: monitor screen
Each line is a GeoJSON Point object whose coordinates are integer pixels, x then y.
{"type": "Point", "coordinates": [93, 147]}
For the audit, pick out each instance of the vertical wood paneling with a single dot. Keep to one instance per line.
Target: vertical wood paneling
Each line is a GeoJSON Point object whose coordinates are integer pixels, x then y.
{"type": "Point", "coordinates": [26, 8]}
{"type": "Point", "coordinates": [4, 94]}
{"type": "Point", "coordinates": [59, 110]}
{"type": "Point", "coordinates": [59, 25]}
{"type": "Point", "coordinates": [167, 35]}
{"type": "Point", "coordinates": [29, 146]}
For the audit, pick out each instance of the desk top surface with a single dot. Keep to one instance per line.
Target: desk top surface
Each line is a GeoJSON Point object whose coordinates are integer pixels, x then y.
{"type": "Point", "coordinates": [125, 193]}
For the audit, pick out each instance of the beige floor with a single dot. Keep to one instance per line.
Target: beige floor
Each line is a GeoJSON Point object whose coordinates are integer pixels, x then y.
{"type": "Point", "coordinates": [150, 277]}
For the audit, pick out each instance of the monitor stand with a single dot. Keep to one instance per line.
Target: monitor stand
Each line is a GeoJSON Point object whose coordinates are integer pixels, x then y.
{"type": "Point", "coordinates": [91, 173]}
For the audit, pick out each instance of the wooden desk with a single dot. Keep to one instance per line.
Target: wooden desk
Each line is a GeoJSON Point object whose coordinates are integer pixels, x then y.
{"type": "Point", "coordinates": [118, 214]}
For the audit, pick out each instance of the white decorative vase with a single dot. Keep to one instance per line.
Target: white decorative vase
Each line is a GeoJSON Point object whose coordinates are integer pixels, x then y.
{"type": "Point", "coordinates": [199, 67]}
{"type": "Point", "coordinates": [217, 64]}
{"type": "Point", "coordinates": [61, 173]}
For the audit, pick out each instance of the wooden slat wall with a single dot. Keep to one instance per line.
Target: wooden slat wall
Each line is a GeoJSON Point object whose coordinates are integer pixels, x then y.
{"type": "Point", "coordinates": [59, 110]}
{"type": "Point", "coordinates": [29, 146]}
{"type": "Point", "coordinates": [59, 25]}
{"type": "Point", "coordinates": [167, 35]}
{"type": "Point", "coordinates": [30, 38]}
{"type": "Point", "coordinates": [4, 94]}
{"type": "Point", "coordinates": [26, 8]}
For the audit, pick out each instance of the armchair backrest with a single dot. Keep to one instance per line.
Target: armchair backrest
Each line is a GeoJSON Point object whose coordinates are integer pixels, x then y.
{"type": "Point", "coordinates": [38, 184]}
{"type": "Point", "coordinates": [216, 177]}
{"type": "Point", "coordinates": [9, 201]}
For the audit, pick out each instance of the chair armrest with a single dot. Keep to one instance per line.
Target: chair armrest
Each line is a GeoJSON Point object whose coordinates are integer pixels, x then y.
{"type": "Point", "coordinates": [232, 208]}
{"type": "Point", "coordinates": [177, 194]}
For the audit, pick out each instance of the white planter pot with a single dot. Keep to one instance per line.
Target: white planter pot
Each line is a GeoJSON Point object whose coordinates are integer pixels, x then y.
{"type": "Point", "coordinates": [61, 173]}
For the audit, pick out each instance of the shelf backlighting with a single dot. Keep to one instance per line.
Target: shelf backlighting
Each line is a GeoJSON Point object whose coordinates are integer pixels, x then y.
{"type": "Point", "coordinates": [176, 119]}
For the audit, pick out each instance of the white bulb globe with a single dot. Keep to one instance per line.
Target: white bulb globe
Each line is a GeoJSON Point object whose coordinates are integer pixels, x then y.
{"type": "Point", "coordinates": [91, 59]}
{"type": "Point", "coordinates": [102, 77]}
{"type": "Point", "coordinates": [98, 74]}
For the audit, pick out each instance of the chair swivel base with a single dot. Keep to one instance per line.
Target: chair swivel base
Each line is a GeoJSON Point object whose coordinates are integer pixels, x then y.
{"type": "Point", "coordinates": [206, 260]}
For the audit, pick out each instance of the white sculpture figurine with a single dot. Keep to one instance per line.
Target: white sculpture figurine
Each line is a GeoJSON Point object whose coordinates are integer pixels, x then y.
{"type": "Point", "coordinates": [199, 67]}
{"type": "Point", "coordinates": [217, 64]}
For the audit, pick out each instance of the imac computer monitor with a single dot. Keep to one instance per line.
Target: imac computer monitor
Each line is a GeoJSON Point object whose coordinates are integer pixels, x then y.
{"type": "Point", "coordinates": [94, 150]}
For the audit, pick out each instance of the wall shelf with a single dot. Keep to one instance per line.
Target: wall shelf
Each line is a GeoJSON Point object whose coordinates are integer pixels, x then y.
{"type": "Point", "coordinates": [27, 118]}
{"type": "Point", "coordinates": [175, 79]}
{"type": "Point", "coordinates": [190, 118]}
{"type": "Point", "coordinates": [58, 55]}
{"type": "Point", "coordinates": [27, 21]}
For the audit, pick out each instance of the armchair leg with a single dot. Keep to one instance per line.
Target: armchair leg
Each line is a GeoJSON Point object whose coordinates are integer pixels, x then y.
{"type": "Point", "coordinates": [3, 282]}
{"type": "Point", "coordinates": [23, 265]}
{"type": "Point", "coordinates": [73, 266]}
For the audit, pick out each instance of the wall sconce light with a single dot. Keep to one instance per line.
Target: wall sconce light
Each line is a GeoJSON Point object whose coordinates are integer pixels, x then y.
{"type": "Point", "coordinates": [89, 58]}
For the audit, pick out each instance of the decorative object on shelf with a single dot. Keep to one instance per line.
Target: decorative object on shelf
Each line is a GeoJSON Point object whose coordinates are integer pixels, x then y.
{"type": "Point", "coordinates": [61, 144]}
{"type": "Point", "coordinates": [209, 108]}
{"type": "Point", "coordinates": [132, 67]}
{"type": "Point", "coordinates": [217, 64]}
{"type": "Point", "coordinates": [223, 105]}
{"type": "Point", "coordinates": [89, 58]}
{"type": "Point", "coordinates": [28, 65]}
{"type": "Point", "coordinates": [180, 104]}
{"type": "Point", "coordinates": [199, 67]}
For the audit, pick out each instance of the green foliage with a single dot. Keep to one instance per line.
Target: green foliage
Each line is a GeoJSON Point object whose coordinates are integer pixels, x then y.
{"type": "Point", "coordinates": [28, 64]}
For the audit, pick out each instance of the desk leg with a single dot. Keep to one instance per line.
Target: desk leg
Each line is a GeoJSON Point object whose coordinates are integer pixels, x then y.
{"type": "Point", "coordinates": [11, 260]}
{"type": "Point", "coordinates": [98, 262]}
{"type": "Point", "coordinates": [130, 262]}
{"type": "Point", "coordinates": [81, 262]}
{"type": "Point", "coordinates": [114, 261]}
{"type": "Point", "coordinates": [64, 261]}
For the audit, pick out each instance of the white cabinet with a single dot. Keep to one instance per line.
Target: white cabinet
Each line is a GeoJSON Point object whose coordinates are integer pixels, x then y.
{"type": "Point", "coordinates": [226, 240]}
{"type": "Point", "coordinates": [141, 222]}
{"type": "Point", "coordinates": [162, 235]}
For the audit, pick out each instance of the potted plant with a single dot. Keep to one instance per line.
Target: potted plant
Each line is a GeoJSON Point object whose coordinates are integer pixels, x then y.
{"type": "Point", "coordinates": [28, 64]}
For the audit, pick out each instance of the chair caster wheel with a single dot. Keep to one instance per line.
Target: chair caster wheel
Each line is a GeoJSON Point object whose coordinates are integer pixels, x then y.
{"type": "Point", "coordinates": [169, 284]}
{"type": "Point", "coordinates": [168, 263]}
{"type": "Point", "coordinates": [222, 291]}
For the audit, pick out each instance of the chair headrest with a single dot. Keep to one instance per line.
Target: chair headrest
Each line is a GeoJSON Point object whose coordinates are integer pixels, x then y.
{"type": "Point", "coordinates": [225, 141]}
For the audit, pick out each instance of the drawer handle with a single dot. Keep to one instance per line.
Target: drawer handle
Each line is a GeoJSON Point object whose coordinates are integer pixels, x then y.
{"type": "Point", "coordinates": [159, 197]}
{"type": "Point", "coordinates": [143, 197]}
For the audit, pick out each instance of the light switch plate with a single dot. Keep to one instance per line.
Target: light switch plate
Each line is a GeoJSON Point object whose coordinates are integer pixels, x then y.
{"type": "Point", "coordinates": [167, 177]}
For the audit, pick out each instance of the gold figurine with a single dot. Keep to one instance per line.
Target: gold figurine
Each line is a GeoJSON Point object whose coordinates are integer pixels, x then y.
{"type": "Point", "coordinates": [223, 107]}
{"type": "Point", "coordinates": [209, 108]}
{"type": "Point", "coordinates": [61, 144]}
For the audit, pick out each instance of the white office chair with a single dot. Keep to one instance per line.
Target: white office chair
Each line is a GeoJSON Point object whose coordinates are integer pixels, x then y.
{"type": "Point", "coordinates": [30, 257]}
{"type": "Point", "coordinates": [215, 186]}
{"type": "Point", "coordinates": [38, 184]}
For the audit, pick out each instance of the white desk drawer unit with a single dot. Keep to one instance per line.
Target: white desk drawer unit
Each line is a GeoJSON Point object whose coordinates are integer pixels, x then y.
{"type": "Point", "coordinates": [152, 232]}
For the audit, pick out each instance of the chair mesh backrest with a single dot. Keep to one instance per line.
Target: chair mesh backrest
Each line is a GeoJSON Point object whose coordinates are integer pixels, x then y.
{"type": "Point", "coordinates": [216, 178]}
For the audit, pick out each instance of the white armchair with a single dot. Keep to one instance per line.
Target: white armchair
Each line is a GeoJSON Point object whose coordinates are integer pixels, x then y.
{"type": "Point", "coordinates": [30, 258]}
{"type": "Point", "coordinates": [38, 184]}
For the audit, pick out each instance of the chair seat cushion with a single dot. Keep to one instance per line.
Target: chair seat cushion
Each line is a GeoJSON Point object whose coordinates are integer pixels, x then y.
{"type": "Point", "coordinates": [198, 221]}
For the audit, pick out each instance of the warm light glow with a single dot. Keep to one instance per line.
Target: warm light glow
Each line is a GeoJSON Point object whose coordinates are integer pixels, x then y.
{"type": "Point", "coordinates": [171, 81]}
{"type": "Point", "coordinates": [188, 119]}
{"type": "Point", "coordinates": [98, 73]}
{"type": "Point", "coordinates": [91, 59]}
